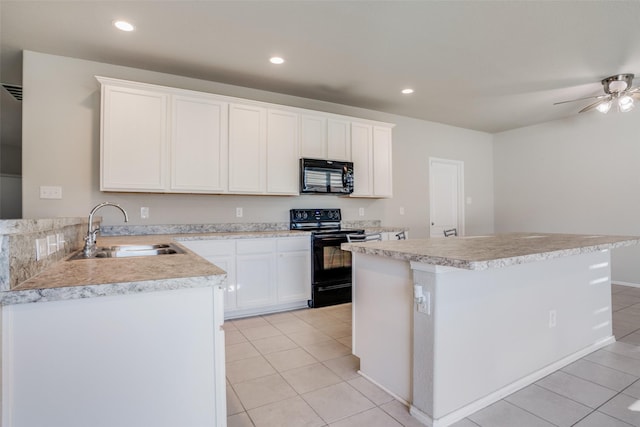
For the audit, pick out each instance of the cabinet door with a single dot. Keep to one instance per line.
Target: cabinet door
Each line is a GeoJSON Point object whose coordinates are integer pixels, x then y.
{"type": "Point", "coordinates": [294, 269]}
{"type": "Point", "coordinates": [255, 272]}
{"type": "Point", "coordinates": [199, 145]}
{"type": "Point", "coordinates": [313, 137]}
{"type": "Point", "coordinates": [294, 276]}
{"type": "Point", "coordinates": [382, 176]}
{"type": "Point", "coordinates": [222, 253]}
{"type": "Point", "coordinates": [255, 279]}
{"type": "Point", "coordinates": [247, 148]}
{"type": "Point", "coordinates": [228, 264]}
{"type": "Point", "coordinates": [283, 167]}
{"type": "Point", "coordinates": [361, 144]}
{"type": "Point", "coordinates": [134, 139]}
{"type": "Point", "coordinates": [339, 140]}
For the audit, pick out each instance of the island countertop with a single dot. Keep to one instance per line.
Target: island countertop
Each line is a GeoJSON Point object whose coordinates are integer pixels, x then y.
{"type": "Point", "coordinates": [490, 251]}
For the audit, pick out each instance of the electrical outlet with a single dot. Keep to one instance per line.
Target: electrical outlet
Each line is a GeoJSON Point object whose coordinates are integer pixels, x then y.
{"type": "Point", "coordinates": [553, 318]}
{"type": "Point", "coordinates": [52, 244]}
{"type": "Point", "coordinates": [401, 210]}
{"type": "Point", "coordinates": [144, 212]}
{"type": "Point", "coordinates": [238, 212]}
{"type": "Point", "coordinates": [361, 212]}
{"type": "Point", "coordinates": [41, 249]}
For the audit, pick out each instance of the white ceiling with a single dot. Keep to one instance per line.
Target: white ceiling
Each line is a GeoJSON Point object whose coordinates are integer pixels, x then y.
{"type": "Point", "coordinates": [484, 65]}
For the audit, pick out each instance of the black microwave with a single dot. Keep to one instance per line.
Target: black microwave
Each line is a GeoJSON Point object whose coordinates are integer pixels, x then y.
{"type": "Point", "coordinates": [325, 177]}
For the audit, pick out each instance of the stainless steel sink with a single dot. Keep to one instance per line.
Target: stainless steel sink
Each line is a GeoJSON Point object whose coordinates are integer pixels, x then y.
{"type": "Point", "coordinates": [126, 251]}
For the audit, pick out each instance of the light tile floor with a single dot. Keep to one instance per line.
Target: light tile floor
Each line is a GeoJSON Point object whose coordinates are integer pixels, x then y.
{"type": "Point", "coordinates": [295, 369]}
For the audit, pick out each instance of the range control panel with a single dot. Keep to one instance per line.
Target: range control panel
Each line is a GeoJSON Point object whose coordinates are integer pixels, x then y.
{"type": "Point", "coordinates": [299, 218]}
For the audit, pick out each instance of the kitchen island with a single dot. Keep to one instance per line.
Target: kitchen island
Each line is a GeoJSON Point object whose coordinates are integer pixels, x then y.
{"type": "Point", "coordinates": [116, 341]}
{"type": "Point", "coordinates": [452, 325]}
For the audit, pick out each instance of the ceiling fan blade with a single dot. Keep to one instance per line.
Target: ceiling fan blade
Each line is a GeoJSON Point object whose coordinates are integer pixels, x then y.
{"type": "Point", "coordinates": [592, 106]}
{"type": "Point", "coordinates": [581, 99]}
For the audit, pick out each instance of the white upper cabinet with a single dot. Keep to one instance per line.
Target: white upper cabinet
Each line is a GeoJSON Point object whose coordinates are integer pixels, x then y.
{"type": "Point", "coordinates": [361, 155]}
{"type": "Point", "coordinates": [313, 137]}
{"type": "Point", "coordinates": [325, 138]}
{"type": "Point", "coordinates": [371, 153]}
{"type": "Point", "coordinates": [167, 140]}
{"type": "Point", "coordinates": [382, 170]}
{"type": "Point", "coordinates": [283, 152]}
{"type": "Point", "coordinates": [247, 148]}
{"type": "Point", "coordinates": [339, 140]}
{"type": "Point", "coordinates": [133, 141]}
{"type": "Point", "coordinates": [199, 144]}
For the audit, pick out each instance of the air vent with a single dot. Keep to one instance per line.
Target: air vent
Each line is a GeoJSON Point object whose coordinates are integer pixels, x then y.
{"type": "Point", "coordinates": [14, 90]}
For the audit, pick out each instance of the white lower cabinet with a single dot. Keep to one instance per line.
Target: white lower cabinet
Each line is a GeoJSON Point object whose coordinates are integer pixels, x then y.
{"type": "Point", "coordinates": [255, 273]}
{"type": "Point", "coordinates": [145, 359]}
{"type": "Point", "coordinates": [263, 275]}
{"type": "Point", "coordinates": [294, 269]}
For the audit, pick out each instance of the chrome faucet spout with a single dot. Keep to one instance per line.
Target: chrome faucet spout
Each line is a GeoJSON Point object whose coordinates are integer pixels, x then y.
{"type": "Point", "coordinates": [92, 233]}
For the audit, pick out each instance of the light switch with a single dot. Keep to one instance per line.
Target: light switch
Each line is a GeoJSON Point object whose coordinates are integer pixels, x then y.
{"type": "Point", "coordinates": [50, 192]}
{"type": "Point", "coordinates": [144, 212]}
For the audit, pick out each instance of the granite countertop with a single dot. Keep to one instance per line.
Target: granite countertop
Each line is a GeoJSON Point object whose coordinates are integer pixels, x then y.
{"type": "Point", "coordinates": [387, 229]}
{"type": "Point", "coordinates": [492, 251]}
{"type": "Point", "coordinates": [85, 278]}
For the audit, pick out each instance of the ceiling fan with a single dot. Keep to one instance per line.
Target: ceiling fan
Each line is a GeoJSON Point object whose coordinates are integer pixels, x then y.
{"type": "Point", "coordinates": [617, 93]}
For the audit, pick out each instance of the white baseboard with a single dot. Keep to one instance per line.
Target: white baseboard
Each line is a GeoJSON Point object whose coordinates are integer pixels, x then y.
{"type": "Point", "coordinates": [489, 399]}
{"type": "Point", "coordinates": [633, 285]}
{"type": "Point", "coordinates": [395, 396]}
{"type": "Point", "coordinates": [258, 311]}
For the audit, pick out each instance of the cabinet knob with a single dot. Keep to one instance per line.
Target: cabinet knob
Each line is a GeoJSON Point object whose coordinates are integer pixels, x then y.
{"type": "Point", "coordinates": [433, 223]}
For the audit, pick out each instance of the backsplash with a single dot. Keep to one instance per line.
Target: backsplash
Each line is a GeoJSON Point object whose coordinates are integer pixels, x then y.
{"type": "Point", "coordinates": [136, 230]}
{"type": "Point", "coordinates": [18, 246]}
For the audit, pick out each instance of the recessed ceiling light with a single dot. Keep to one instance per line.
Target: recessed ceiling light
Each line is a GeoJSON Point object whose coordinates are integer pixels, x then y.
{"type": "Point", "coordinates": [123, 25]}
{"type": "Point", "coordinates": [276, 60]}
{"type": "Point", "coordinates": [407, 91]}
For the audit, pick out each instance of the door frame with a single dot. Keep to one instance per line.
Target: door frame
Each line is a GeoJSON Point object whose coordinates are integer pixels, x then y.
{"type": "Point", "coordinates": [459, 164]}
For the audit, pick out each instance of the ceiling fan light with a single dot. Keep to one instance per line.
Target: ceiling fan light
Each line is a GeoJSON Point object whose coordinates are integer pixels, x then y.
{"type": "Point", "coordinates": [617, 86]}
{"type": "Point", "coordinates": [604, 107]}
{"type": "Point", "coordinates": [625, 103]}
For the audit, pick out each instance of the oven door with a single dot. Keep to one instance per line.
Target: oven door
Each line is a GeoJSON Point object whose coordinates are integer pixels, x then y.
{"type": "Point", "coordinates": [331, 265]}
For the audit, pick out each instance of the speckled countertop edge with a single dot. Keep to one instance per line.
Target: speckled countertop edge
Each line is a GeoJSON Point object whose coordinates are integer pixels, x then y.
{"type": "Point", "coordinates": [492, 251]}
{"type": "Point", "coordinates": [107, 289]}
{"type": "Point", "coordinates": [103, 277]}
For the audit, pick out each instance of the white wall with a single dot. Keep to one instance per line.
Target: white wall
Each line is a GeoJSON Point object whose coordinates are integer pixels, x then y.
{"type": "Point", "coordinates": [578, 175]}
{"type": "Point", "coordinates": [61, 147]}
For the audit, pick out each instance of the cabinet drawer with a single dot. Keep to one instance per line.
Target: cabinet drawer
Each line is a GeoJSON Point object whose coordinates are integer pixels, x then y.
{"type": "Point", "coordinates": [206, 248]}
{"type": "Point", "coordinates": [255, 246]}
{"type": "Point", "coordinates": [291, 244]}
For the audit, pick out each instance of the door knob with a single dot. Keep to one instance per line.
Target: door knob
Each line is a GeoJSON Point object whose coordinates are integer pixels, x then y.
{"type": "Point", "coordinates": [433, 223]}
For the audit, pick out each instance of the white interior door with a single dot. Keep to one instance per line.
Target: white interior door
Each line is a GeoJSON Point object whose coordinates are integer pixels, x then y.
{"type": "Point", "coordinates": [446, 195]}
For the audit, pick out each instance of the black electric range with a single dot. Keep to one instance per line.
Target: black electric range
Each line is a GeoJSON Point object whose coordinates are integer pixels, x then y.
{"type": "Point", "coordinates": [330, 265]}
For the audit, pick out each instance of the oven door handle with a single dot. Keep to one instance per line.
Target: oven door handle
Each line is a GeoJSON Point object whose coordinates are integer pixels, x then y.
{"type": "Point", "coordinates": [331, 238]}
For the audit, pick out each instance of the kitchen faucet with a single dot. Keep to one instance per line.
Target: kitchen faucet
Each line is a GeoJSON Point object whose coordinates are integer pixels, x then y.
{"type": "Point", "coordinates": [92, 234]}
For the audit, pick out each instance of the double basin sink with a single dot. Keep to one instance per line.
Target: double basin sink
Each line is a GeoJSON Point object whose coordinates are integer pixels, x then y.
{"type": "Point", "coordinates": [127, 251]}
